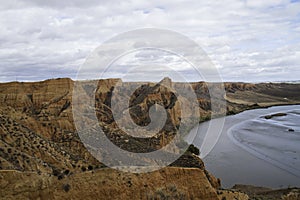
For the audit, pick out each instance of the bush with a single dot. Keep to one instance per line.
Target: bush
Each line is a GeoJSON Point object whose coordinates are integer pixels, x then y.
{"type": "Point", "coordinates": [55, 172]}
{"type": "Point", "coordinates": [66, 172]}
{"type": "Point", "coordinates": [66, 187]}
{"type": "Point", "coordinates": [194, 150]}
{"type": "Point", "coordinates": [60, 176]}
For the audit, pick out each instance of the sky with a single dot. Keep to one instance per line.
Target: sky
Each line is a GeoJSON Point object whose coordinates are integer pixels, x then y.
{"type": "Point", "coordinates": [247, 40]}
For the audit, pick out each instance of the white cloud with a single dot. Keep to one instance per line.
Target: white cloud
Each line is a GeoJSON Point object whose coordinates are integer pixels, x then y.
{"type": "Point", "coordinates": [41, 39]}
{"type": "Point", "coordinates": [265, 3]}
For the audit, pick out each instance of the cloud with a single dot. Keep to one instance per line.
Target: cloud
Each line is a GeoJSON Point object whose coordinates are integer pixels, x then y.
{"type": "Point", "coordinates": [247, 40]}
{"type": "Point", "coordinates": [265, 4]}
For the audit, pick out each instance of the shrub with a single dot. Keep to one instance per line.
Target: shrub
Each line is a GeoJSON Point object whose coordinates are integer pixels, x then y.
{"type": "Point", "coordinates": [60, 176]}
{"type": "Point", "coordinates": [66, 172]}
{"type": "Point", "coordinates": [66, 187]}
{"type": "Point", "coordinates": [193, 149]}
{"type": "Point", "coordinates": [55, 172]}
{"type": "Point", "coordinates": [90, 167]}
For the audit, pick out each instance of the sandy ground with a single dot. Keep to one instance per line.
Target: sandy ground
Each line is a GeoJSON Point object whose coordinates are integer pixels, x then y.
{"type": "Point", "coordinates": [234, 164]}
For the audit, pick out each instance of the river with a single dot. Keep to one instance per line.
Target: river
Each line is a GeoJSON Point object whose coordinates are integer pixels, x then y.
{"type": "Point", "coordinates": [254, 150]}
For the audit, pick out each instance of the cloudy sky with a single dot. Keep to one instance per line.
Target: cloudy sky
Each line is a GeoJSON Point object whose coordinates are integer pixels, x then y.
{"type": "Point", "coordinates": [248, 40]}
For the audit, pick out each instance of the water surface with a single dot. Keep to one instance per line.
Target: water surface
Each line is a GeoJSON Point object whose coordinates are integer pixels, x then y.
{"type": "Point", "coordinates": [255, 150]}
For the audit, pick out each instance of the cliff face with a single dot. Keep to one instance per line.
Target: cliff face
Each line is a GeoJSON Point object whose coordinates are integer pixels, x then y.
{"type": "Point", "coordinates": [42, 106]}
{"type": "Point", "coordinates": [37, 131]}
{"type": "Point", "coordinates": [41, 112]}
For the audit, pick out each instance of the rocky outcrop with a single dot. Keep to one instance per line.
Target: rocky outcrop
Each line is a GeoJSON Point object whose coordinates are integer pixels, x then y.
{"type": "Point", "coordinates": [39, 139]}
{"type": "Point", "coordinates": [43, 110]}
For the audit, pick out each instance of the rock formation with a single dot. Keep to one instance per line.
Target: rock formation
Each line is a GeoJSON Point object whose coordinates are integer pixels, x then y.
{"type": "Point", "coordinates": [41, 154]}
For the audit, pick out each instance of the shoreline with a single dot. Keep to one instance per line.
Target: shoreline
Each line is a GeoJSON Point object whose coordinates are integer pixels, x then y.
{"type": "Point", "coordinates": [222, 155]}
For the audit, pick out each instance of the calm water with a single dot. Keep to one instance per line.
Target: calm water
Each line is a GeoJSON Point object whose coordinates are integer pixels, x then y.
{"type": "Point", "coordinates": [254, 150]}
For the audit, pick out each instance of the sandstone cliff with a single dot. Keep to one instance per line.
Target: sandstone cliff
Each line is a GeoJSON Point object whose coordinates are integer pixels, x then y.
{"type": "Point", "coordinates": [39, 139]}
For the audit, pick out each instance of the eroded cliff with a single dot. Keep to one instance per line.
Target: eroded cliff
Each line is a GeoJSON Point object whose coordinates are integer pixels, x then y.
{"type": "Point", "coordinates": [39, 142]}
